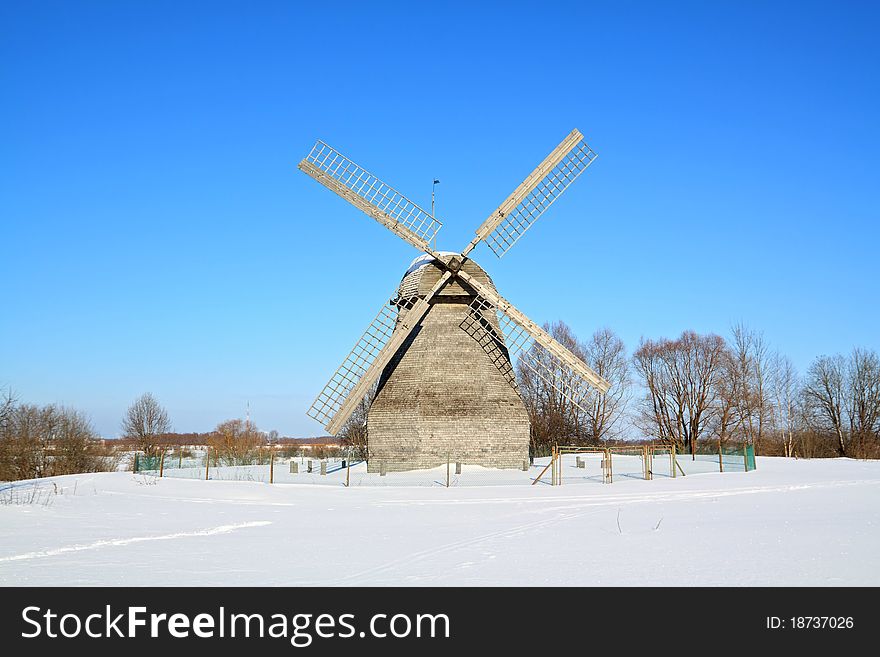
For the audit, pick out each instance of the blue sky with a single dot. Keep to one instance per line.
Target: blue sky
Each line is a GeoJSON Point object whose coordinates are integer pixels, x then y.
{"type": "Point", "coordinates": [157, 236]}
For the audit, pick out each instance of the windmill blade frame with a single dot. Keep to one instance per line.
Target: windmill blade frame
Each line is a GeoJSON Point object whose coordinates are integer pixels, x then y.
{"type": "Point", "coordinates": [509, 316]}
{"type": "Point", "coordinates": [511, 344]}
{"type": "Point", "coordinates": [541, 188]}
{"type": "Point", "coordinates": [371, 195]}
{"type": "Point", "coordinates": [364, 364]}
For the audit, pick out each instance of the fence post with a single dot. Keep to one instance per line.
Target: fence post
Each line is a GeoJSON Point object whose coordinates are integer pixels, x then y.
{"type": "Point", "coordinates": [672, 460]}
{"type": "Point", "coordinates": [746, 457]}
{"type": "Point", "coordinates": [180, 458]}
{"type": "Point", "coordinates": [162, 462]}
{"type": "Point", "coordinates": [447, 470]}
{"type": "Point", "coordinates": [347, 473]}
{"type": "Point", "coordinates": [553, 475]}
{"type": "Point", "coordinates": [272, 467]}
{"type": "Point", "coordinates": [207, 462]}
{"type": "Point", "coordinates": [135, 462]}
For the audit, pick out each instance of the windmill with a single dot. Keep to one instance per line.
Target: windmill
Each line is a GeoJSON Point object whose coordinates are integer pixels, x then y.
{"type": "Point", "coordinates": [436, 365]}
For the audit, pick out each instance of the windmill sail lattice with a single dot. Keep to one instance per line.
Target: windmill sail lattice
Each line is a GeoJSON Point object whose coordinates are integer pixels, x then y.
{"type": "Point", "coordinates": [330, 399]}
{"type": "Point", "coordinates": [512, 343]}
{"type": "Point", "coordinates": [369, 194]}
{"type": "Point", "coordinates": [551, 187]}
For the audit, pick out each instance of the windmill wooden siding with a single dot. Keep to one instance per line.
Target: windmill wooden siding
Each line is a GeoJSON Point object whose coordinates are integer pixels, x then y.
{"type": "Point", "coordinates": [442, 396]}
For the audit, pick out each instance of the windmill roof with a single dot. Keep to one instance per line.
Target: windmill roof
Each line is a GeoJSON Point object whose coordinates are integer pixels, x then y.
{"type": "Point", "coordinates": [420, 277]}
{"type": "Point", "coordinates": [424, 259]}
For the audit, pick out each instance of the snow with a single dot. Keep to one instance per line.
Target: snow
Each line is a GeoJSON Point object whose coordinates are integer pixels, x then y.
{"type": "Point", "coordinates": [424, 259]}
{"type": "Point", "coordinates": [790, 522]}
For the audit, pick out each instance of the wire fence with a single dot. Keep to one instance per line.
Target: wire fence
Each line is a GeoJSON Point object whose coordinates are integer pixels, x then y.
{"type": "Point", "coordinates": [340, 467]}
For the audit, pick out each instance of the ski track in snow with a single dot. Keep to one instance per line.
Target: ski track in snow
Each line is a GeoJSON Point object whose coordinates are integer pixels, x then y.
{"type": "Point", "coordinates": [116, 542]}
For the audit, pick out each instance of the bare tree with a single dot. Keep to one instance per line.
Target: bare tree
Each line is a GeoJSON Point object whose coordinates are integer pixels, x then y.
{"type": "Point", "coordinates": [606, 355]}
{"type": "Point", "coordinates": [726, 418]}
{"type": "Point", "coordinates": [42, 441]}
{"type": "Point", "coordinates": [74, 444]}
{"type": "Point", "coordinates": [824, 391]}
{"type": "Point", "coordinates": [354, 433]}
{"type": "Point", "coordinates": [235, 441]}
{"type": "Point", "coordinates": [32, 430]}
{"type": "Point", "coordinates": [553, 416]}
{"type": "Point", "coordinates": [863, 400]}
{"type": "Point", "coordinates": [146, 422]}
{"type": "Point", "coordinates": [681, 381]}
{"type": "Point", "coordinates": [785, 391]}
{"type": "Point", "coordinates": [751, 360]}
{"type": "Point", "coordinates": [7, 405]}
{"type": "Point", "coordinates": [550, 414]}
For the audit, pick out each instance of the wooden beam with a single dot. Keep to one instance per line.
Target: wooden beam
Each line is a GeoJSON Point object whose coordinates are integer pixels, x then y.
{"type": "Point", "coordinates": [363, 205]}
{"type": "Point", "coordinates": [524, 189]}
{"type": "Point", "coordinates": [540, 335]}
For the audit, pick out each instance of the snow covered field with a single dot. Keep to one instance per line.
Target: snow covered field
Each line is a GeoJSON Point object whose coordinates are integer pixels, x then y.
{"type": "Point", "coordinates": [790, 522]}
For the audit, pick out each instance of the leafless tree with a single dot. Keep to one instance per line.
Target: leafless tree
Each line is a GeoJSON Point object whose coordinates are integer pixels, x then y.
{"type": "Point", "coordinates": [552, 416]}
{"type": "Point", "coordinates": [74, 448]}
{"type": "Point", "coordinates": [7, 405]}
{"type": "Point", "coordinates": [751, 360]}
{"type": "Point", "coordinates": [234, 442]}
{"type": "Point", "coordinates": [31, 431]}
{"type": "Point", "coordinates": [863, 400]}
{"type": "Point", "coordinates": [42, 441]}
{"type": "Point", "coordinates": [606, 355]}
{"type": "Point", "coordinates": [681, 381]}
{"type": "Point", "coordinates": [146, 422]}
{"type": "Point", "coordinates": [725, 418]}
{"type": "Point", "coordinates": [824, 391]}
{"type": "Point", "coordinates": [354, 433]}
{"type": "Point", "coordinates": [785, 392]}
{"type": "Point", "coordinates": [560, 408]}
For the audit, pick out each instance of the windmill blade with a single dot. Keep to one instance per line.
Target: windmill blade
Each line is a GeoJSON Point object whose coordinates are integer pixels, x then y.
{"type": "Point", "coordinates": [520, 334]}
{"type": "Point", "coordinates": [370, 195]}
{"type": "Point", "coordinates": [534, 195]}
{"type": "Point", "coordinates": [511, 343]}
{"type": "Point", "coordinates": [364, 364]}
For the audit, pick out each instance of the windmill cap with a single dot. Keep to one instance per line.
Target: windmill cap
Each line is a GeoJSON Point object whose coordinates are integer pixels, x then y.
{"type": "Point", "coordinates": [422, 275]}
{"type": "Point", "coordinates": [425, 259]}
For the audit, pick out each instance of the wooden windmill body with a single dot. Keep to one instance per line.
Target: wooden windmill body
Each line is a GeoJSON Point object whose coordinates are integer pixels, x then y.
{"type": "Point", "coordinates": [437, 364]}
{"type": "Point", "coordinates": [442, 397]}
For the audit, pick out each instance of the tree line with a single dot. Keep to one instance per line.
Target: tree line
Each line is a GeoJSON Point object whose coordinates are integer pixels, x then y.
{"type": "Point", "coordinates": [698, 391]}
{"type": "Point", "coordinates": [42, 441]}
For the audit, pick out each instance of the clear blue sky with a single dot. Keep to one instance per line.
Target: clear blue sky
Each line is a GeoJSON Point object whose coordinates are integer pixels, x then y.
{"type": "Point", "coordinates": [157, 236]}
